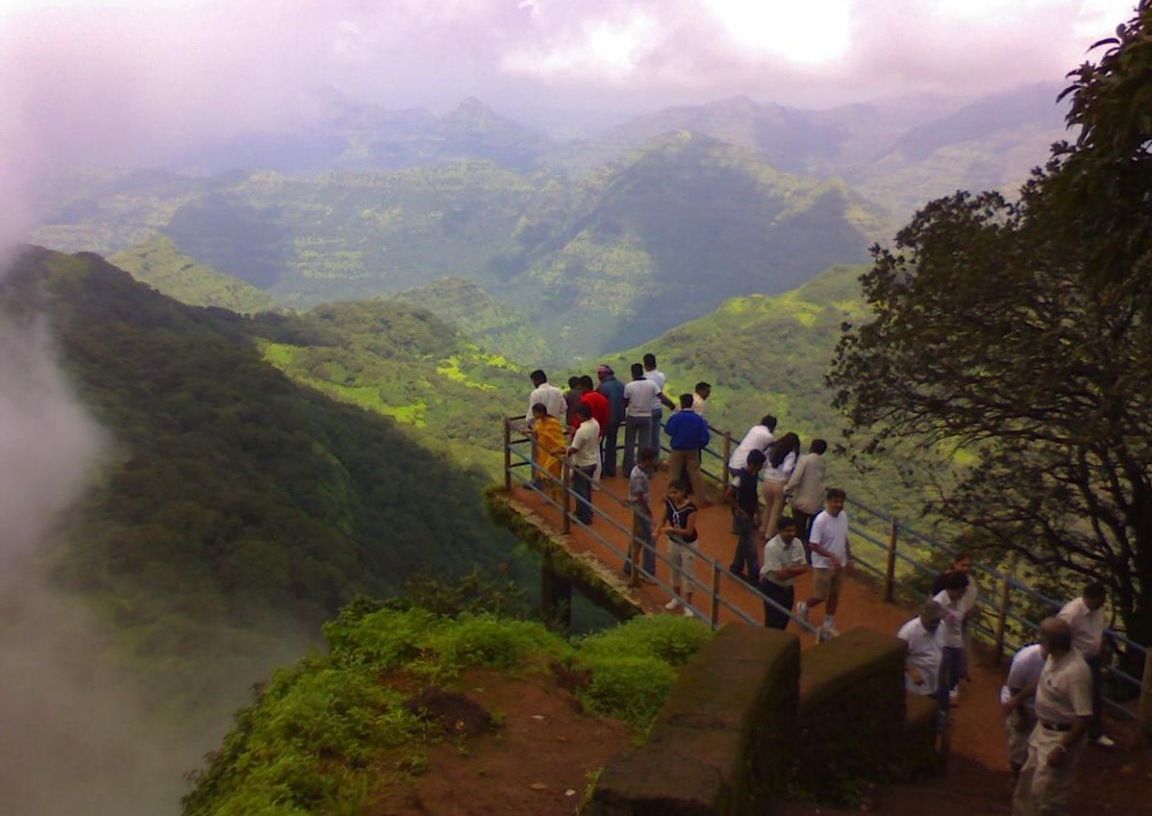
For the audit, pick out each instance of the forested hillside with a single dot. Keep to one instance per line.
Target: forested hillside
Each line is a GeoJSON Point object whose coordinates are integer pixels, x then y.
{"type": "Point", "coordinates": [232, 500]}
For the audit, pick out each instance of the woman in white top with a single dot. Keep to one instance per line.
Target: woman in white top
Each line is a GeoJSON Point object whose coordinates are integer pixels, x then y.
{"type": "Point", "coordinates": [777, 471]}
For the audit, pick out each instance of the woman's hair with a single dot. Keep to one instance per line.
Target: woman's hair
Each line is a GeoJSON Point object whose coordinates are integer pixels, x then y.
{"type": "Point", "coordinates": [788, 443]}
{"type": "Point", "coordinates": [540, 408]}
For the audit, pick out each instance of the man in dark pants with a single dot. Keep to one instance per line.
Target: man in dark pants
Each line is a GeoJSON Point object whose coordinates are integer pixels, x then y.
{"type": "Point", "coordinates": [1085, 617]}
{"type": "Point", "coordinates": [743, 497]}
{"type": "Point", "coordinates": [584, 453]}
{"type": "Point", "coordinates": [784, 562]}
{"type": "Point", "coordinates": [613, 391]}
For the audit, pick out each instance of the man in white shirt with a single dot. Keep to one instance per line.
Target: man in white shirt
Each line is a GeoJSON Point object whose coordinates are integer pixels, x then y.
{"type": "Point", "coordinates": [1085, 616]}
{"type": "Point", "coordinates": [658, 404]}
{"type": "Point", "coordinates": [925, 644]}
{"type": "Point", "coordinates": [831, 558]}
{"type": "Point", "coordinates": [551, 397]}
{"type": "Point", "coordinates": [783, 563]}
{"type": "Point", "coordinates": [1023, 675]}
{"type": "Point", "coordinates": [638, 398]}
{"type": "Point", "coordinates": [953, 599]}
{"type": "Point", "coordinates": [1063, 710]}
{"type": "Point", "coordinates": [759, 437]}
{"type": "Point", "coordinates": [584, 453]}
{"type": "Point", "coordinates": [806, 487]}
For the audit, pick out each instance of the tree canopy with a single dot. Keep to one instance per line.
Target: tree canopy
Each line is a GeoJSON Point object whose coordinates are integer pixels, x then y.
{"type": "Point", "coordinates": [1017, 332]}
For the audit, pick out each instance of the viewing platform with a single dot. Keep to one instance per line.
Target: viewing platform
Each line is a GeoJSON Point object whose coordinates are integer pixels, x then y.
{"type": "Point", "coordinates": [879, 595]}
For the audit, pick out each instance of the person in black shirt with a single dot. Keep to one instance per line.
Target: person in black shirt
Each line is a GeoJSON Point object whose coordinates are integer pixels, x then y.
{"type": "Point", "coordinates": [743, 497]}
{"type": "Point", "coordinates": [680, 527]}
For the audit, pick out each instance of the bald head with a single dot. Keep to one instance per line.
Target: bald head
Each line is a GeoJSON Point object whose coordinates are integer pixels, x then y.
{"type": "Point", "coordinates": [1055, 636]}
{"type": "Point", "coordinates": [931, 614]}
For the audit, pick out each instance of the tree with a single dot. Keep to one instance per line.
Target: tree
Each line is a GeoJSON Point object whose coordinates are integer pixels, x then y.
{"type": "Point", "coordinates": [1019, 333]}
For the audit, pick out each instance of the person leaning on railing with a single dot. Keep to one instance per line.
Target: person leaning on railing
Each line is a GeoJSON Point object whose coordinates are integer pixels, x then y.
{"type": "Point", "coordinates": [584, 453]}
{"type": "Point", "coordinates": [688, 435]}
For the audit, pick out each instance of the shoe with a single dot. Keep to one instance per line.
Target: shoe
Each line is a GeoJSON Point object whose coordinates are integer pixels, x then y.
{"type": "Point", "coordinates": [688, 613]}
{"type": "Point", "coordinates": [672, 604]}
{"type": "Point", "coordinates": [1105, 741]}
{"type": "Point", "coordinates": [646, 578]}
{"type": "Point", "coordinates": [954, 698]}
{"type": "Point", "coordinates": [802, 611]}
{"type": "Point", "coordinates": [829, 632]}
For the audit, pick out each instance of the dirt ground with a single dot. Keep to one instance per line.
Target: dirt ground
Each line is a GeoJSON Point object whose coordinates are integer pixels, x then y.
{"type": "Point", "coordinates": [538, 761]}
{"type": "Point", "coordinates": [535, 763]}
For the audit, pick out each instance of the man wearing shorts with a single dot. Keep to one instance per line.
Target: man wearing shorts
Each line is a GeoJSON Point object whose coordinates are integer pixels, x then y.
{"type": "Point", "coordinates": [831, 558]}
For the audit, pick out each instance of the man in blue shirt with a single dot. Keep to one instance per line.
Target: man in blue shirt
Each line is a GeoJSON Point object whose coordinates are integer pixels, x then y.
{"type": "Point", "coordinates": [689, 435]}
{"type": "Point", "coordinates": [612, 390]}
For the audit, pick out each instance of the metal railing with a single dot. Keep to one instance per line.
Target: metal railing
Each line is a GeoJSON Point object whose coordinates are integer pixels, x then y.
{"type": "Point", "coordinates": [1004, 608]}
{"type": "Point", "coordinates": [721, 591]}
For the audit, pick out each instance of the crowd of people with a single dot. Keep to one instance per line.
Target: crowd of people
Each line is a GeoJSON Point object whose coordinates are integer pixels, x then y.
{"type": "Point", "coordinates": [1051, 698]}
{"type": "Point", "coordinates": [764, 474]}
{"type": "Point", "coordinates": [787, 523]}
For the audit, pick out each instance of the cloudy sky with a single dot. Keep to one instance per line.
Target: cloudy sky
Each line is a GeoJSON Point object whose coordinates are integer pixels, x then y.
{"type": "Point", "coordinates": [120, 81]}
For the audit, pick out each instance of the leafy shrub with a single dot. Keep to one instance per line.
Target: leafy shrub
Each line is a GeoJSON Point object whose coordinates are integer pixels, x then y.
{"type": "Point", "coordinates": [672, 639]}
{"type": "Point", "coordinates": [631, 688]}
{"type": "Point", "coordinates": [488, 641]}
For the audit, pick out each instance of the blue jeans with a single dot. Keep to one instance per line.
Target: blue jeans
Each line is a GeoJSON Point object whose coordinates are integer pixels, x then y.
{"type": "Point", "coordinates": [746, 556]}
{"type": "Point", "coordinates": [642, 530]}
{"type": "Point", "coordinates": [608, 443]}
{"type": "Point", "coordinates": [637, 429]}
{"type": "Point", "coordinates": [955, 666]}
{"type": "Point", "coordinates": [654, 440]}
{"type": "Point", "coordinates": [582, 487]}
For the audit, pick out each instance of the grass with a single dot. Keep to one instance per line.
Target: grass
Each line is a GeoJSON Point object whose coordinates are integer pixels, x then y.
{"type": "Point", "coordinates": [321, 736]}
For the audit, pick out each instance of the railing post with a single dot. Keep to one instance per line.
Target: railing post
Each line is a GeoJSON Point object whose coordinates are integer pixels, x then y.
{"type": "Point", "coordinates": [1145, 710]}
{"type": "Point", "coordinates": [1002, 611]}
{"type": "Point", "coordinates": [727, 458]}
{"type": "Point", "coordinates": [890, 571]}
{"type": "Point", "coordinates": [507, 455]}
{"type": "Point", "coordinates": [566, 522]}
{"type": "Point", "coordinates": [714, 605]}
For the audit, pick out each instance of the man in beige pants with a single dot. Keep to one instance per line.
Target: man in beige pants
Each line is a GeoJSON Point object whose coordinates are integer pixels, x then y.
{"type": "Point", "coordinates": [1063, 712]}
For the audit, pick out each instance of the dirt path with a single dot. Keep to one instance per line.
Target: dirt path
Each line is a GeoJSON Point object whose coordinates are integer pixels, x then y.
{"type": "Point", "coordinates": [979, 769]}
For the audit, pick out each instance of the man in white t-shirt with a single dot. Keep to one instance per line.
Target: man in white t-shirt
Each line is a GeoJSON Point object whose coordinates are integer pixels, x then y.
{"type": "Point", "coordinates": [1085, 616]}
{"type": "Point", "coordinates": [584, 453]}
{"type": "Point", "coordinates": [831, 558]}
{"type": "Point", "coordinates": [759, 437]}
{"type": "Point", "coordinates": [925, 643]}
{"type": "Point", "coordinates": [638, 398]}
{"type": "Point", "coordinates": [651, 372]}
{"type": "Point", "coordinates": [551, 397]}
{"type": "Point", "coordinates": [953, 598]}
{"type": "Point", "coordinates": [1019, 721]}
{"type": "Point", "coordinates": [1063, 710]}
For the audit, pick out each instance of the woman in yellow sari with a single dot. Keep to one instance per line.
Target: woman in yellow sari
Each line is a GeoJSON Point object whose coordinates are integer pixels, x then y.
{"type": "Point", "coordinates": [550, 445]}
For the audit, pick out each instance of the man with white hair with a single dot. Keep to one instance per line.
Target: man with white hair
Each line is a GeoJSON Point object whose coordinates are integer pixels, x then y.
{"type": "Point", "coordinates": [925, 650]}
{"type": "Point", "coordinates": [1063, 712]}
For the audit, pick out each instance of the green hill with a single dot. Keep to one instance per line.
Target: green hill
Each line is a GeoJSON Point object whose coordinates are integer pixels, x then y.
{"type": "Point", "coordinates": [487, 322]}
{"type": "Point", "coordinates": [594, 264]}
{"type": "Point", "coordinates": [236, 506]}
{"type": "Point", "coordinates": [158, 263]}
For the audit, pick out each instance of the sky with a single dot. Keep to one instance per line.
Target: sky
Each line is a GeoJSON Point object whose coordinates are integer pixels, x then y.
{"type": "Point", "coordinates": [114, 82]}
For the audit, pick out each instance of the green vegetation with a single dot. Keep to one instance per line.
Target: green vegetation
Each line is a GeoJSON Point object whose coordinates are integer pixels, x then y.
{"type": "Point", "coordinates": [594, 264]}
{"type": "Point", "coordinates": [158, 263]}
{"type": "Point", "coordinates": [235, 509]}
{"type": "Point", "coordinates": [322, 736]}
{"type": "Point", "coordinates": [1019, 330]}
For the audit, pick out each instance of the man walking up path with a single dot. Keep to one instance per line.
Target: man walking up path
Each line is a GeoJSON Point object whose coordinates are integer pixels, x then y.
{"type": "Point", "coordinates": [831, 558]}
{"type": "Point", "coordinates": [1063, 711]}
{"type": "Point", "coordinates": [1085, 617]}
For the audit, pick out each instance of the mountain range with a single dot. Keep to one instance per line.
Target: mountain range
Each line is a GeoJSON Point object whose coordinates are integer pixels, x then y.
{"type": "Point", "coordinates": [586, 246]}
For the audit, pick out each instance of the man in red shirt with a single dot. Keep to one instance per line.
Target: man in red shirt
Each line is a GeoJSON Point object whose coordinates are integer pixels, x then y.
{"type": "Point", "coordinates": [601, 410]}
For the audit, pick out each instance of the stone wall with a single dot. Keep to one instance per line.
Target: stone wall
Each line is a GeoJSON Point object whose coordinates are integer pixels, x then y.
{"type": "Point", "coordinates": [750, 715]}
{"type": "Point", "coordinates": [721, 743]}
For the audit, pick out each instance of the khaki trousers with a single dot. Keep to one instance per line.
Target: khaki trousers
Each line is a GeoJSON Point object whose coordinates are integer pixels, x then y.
{"type": "Point", "coordinates": [1043, 790]}
{"type": "Point", "coordinates": [687, 460]}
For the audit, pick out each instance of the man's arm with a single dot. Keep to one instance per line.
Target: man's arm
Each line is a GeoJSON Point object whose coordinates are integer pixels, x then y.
{"type": "Point", "coordinates": [796, 476]}
{"type": "Point", "coordinates": [1018, 697]}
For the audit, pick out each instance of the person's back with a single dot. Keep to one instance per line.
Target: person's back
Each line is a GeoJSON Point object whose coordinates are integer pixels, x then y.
{"type": "Point", "coordinates": [613, 391]}
{"type": "Point", "coordinates": [806, 486]}
{"type": "Point", "coordinates": [759, 438]}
